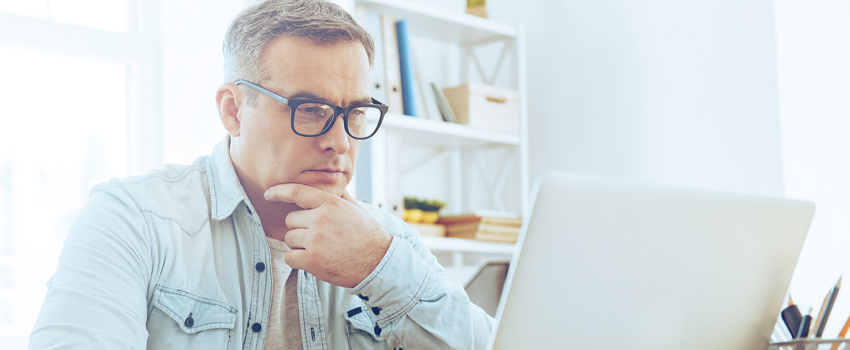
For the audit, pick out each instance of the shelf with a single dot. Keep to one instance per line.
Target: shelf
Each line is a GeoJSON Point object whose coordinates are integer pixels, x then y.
{"type": "Point", "coordinates": [473, 165]}
{"type": "Point", "coordinates": [445, 244]}
{"type": "Point", "coordinates": [451, 27]}
{"type": "Point", "coordinates": [428, 132]}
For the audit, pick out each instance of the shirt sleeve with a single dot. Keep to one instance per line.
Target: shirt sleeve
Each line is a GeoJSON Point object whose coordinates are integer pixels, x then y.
{"type": "Point", "coordinates": [419, 306]}
{"type": "Point", "coordinates": [97, 299]}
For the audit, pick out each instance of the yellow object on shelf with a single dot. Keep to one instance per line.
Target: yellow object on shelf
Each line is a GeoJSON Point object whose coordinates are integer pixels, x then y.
{"type": "Point", "coordinates": [430, 217]}
{"type": "Point", "coordinates": [477, 8]}
{"type": "Point", "coordinates": [412, 215]}
{"type": "Point", "coordinates": [479, 11]}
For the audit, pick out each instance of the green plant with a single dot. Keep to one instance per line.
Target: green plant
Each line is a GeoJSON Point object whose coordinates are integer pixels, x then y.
{"type": "Point", "coordinates": [411, 203]}
{"type": "Point", "coordinates": [423, 204]}
{"type": "Point", "coordinates": [432, 205]}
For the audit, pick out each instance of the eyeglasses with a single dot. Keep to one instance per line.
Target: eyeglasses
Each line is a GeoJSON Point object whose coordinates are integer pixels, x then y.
{"type": "Point", "coordinates": [313, 118]}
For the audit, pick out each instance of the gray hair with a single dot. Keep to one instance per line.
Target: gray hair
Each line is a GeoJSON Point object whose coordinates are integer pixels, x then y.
{"type": "Point", "coordinates": [255, 27]}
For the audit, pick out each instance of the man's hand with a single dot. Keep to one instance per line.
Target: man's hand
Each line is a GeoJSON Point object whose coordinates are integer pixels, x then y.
{"type": "Point", "coordinates": [333, 238]}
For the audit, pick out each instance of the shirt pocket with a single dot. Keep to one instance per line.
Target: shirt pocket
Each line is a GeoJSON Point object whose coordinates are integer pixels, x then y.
{"type": "Point", "coordinates": [362, 329]}
{"type": "Point", "coordinates": [182, 320]}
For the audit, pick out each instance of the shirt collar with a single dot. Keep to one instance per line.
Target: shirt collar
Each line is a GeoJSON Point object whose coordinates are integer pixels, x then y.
{"type": "Point", "coordinates": [226, 191]}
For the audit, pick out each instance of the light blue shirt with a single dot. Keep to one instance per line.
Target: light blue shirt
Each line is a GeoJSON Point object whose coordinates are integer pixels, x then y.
{"type": "Point", "coordinates": [176, 259]}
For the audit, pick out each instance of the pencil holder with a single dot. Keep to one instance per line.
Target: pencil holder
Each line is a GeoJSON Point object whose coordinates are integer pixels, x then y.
{"type": "Point", "coordinates": [812, 344]}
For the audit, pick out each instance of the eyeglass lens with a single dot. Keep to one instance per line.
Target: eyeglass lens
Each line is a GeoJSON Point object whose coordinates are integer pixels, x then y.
{"type": "Point", "coordinates": [314, 118]}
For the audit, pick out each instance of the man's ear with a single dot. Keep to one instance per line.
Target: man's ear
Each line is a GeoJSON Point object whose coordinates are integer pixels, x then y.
{"type": "Point", "coordinates": [229, 99]}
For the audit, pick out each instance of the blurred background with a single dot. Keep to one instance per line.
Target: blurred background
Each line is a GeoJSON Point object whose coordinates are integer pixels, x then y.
{"type": "Point", "coordinates": [737, 96]}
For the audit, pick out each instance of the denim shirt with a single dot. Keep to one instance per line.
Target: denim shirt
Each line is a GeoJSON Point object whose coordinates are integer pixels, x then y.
{"type": "Point", "coordinates": [177, 259]}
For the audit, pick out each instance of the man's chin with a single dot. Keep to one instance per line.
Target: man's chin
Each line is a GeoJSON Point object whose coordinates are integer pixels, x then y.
{"type": "Point", "coordinates": [334, 184]}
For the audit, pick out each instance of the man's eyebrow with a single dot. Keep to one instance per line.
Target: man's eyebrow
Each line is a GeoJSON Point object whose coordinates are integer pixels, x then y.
{"type": "Point", "coordinates": [306, 96]}
{"type": "Point", "coordinates": [311, 96]}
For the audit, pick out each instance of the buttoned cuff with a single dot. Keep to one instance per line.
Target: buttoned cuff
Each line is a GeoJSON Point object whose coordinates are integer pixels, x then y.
{"type": "Point", "coordinates": [396, 284]}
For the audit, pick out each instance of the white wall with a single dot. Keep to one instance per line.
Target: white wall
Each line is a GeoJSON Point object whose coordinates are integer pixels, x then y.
{"type": "Point", "coordinates": [813, 52]}
{"type": "Point", "coordinates": [673, 92]}
{"type": "Point", "coordinates": [690, 93]}
{"type": "Point", "coordinates": [192, 33]}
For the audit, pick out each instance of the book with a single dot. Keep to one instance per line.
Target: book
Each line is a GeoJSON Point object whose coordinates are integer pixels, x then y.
{"type": "Point", "coordinates": [443, 104]}
{"type": "Point", "coordinates": [472, 233]}
{"type": "Point", "coordinates": [432, 230]}
{"type": "Point", "coordinates": [483, 227]}
{"type": "Point", "coordinates": [500, 227]}
{"type": "Point", "coordinates": [372, 23]}
{"type": "Point", "coordinates": [474, 218]}
{"type": "Point", "coordinates": [428, 101]}
{"type": "Point", "coordinates": [484, 236]}
{"type": "Point", "coordinates": [481, 236]}
{"type": "Point", "coordinates": [408, 93]}
{"type": "Point", "coordinates": [392, 71]}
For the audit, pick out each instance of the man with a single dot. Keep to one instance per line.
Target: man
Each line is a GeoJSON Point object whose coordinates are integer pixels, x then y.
{"type": "Point", "coordinates": [258, 245]}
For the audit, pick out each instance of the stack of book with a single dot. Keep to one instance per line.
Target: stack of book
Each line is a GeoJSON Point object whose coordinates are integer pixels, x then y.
{"type": "Point", "coordinates": [485, 228]}
{"type": "Point", "coordinates": [429, 229]}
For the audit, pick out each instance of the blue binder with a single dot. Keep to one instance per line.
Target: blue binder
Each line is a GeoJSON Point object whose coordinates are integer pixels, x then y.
{"type": "Point", "coordinates": [405, 62]}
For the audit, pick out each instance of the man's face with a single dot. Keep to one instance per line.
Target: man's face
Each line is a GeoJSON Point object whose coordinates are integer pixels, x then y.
{"type": "Point", "coordinates": [267, 152]}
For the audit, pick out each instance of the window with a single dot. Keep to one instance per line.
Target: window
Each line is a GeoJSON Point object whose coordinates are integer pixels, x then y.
{"type": "Point", "coordinates": [64, 134]}
{"type": "Point", "coordinates": [80, 95]}
{"type": "Point", "coordinates": [108, 15]}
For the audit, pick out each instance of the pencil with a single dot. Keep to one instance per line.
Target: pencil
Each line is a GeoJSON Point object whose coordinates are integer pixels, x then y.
{"type": "Point", "coordinates": [823, 316]}
{"type": "Point", "coordinates": [790, 301]}
{"type": "Point", "coordinates": [845, 329]}
{"type": "Point", "coordinates": [842, 334]}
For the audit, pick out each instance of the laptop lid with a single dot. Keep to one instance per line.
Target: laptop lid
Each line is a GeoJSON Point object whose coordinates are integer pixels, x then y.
{"type": "Point", "coordinates": [485, 288]}
{"type": "Point", "coordinates": [613, 264]}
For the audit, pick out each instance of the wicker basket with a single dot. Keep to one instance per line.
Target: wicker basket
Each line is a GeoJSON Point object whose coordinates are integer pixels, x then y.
{"type": "Point", "coordinates": [812, 344]}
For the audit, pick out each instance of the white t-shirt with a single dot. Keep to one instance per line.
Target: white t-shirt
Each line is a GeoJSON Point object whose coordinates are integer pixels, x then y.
{"type": "Point", "coordinates": [284, 326]}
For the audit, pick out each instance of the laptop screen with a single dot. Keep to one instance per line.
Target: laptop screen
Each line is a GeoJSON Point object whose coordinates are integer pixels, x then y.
{"type": "Point", "coordinates": [613, 264]}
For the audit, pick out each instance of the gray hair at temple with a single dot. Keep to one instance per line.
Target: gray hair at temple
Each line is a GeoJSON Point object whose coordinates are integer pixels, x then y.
{"type": "Point", "coordinates": [258, 25]}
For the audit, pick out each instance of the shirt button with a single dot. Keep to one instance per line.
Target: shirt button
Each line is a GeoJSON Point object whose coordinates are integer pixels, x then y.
{"type": "Point", "coordinates": [256, 327]}
{"type": "Point", "coordinates": [189, 322]}
{"type": "Point", "coordinates": [260, 267]}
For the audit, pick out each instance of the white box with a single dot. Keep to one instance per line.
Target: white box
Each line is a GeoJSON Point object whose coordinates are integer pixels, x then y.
{"type": "Point", "coordinates": [485, 106]}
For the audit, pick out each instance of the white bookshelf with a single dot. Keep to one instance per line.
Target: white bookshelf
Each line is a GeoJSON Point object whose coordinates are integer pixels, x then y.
{"type": "Point", "coordinates": [435, 23]}
{"type": "Point", "coordinates": [468, 150]}
{"type": "Point", "coordinates": [466, 256]}
{"type": "Point", "coordinates": [446, 244]}
{"type": "Point", "coordinates": [428, 132]}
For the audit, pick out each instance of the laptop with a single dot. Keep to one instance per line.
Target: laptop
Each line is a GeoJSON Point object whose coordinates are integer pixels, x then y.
{"type": "Point", "coordinates": [485, 287]}
{"type": "Point", "coordinates": [613, 264]}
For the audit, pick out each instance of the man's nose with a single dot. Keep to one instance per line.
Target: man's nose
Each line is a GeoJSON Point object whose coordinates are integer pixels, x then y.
{"type": "Point", "coordinates": [336, 139]}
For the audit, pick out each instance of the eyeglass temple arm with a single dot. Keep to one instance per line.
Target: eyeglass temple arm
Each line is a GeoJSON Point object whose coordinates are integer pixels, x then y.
{"type": "Point", "coordinates": [263, 90]}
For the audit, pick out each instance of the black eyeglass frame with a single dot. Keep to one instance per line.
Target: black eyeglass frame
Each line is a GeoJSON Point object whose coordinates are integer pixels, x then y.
{"type": "Point", "coordinates": [294, 103]}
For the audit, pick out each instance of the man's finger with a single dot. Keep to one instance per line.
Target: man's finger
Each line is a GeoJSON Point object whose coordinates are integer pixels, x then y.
{"type": "Point", "coordinates": [347, 196]}
{"type": "Point", "coordinates": [296, 259]}
{"type": "Point", "coordinates": [303, 196]}
{"type": "Point", "coordinates": [297, 238]}
{"type": "Point", "coordinates": [297, 219]}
